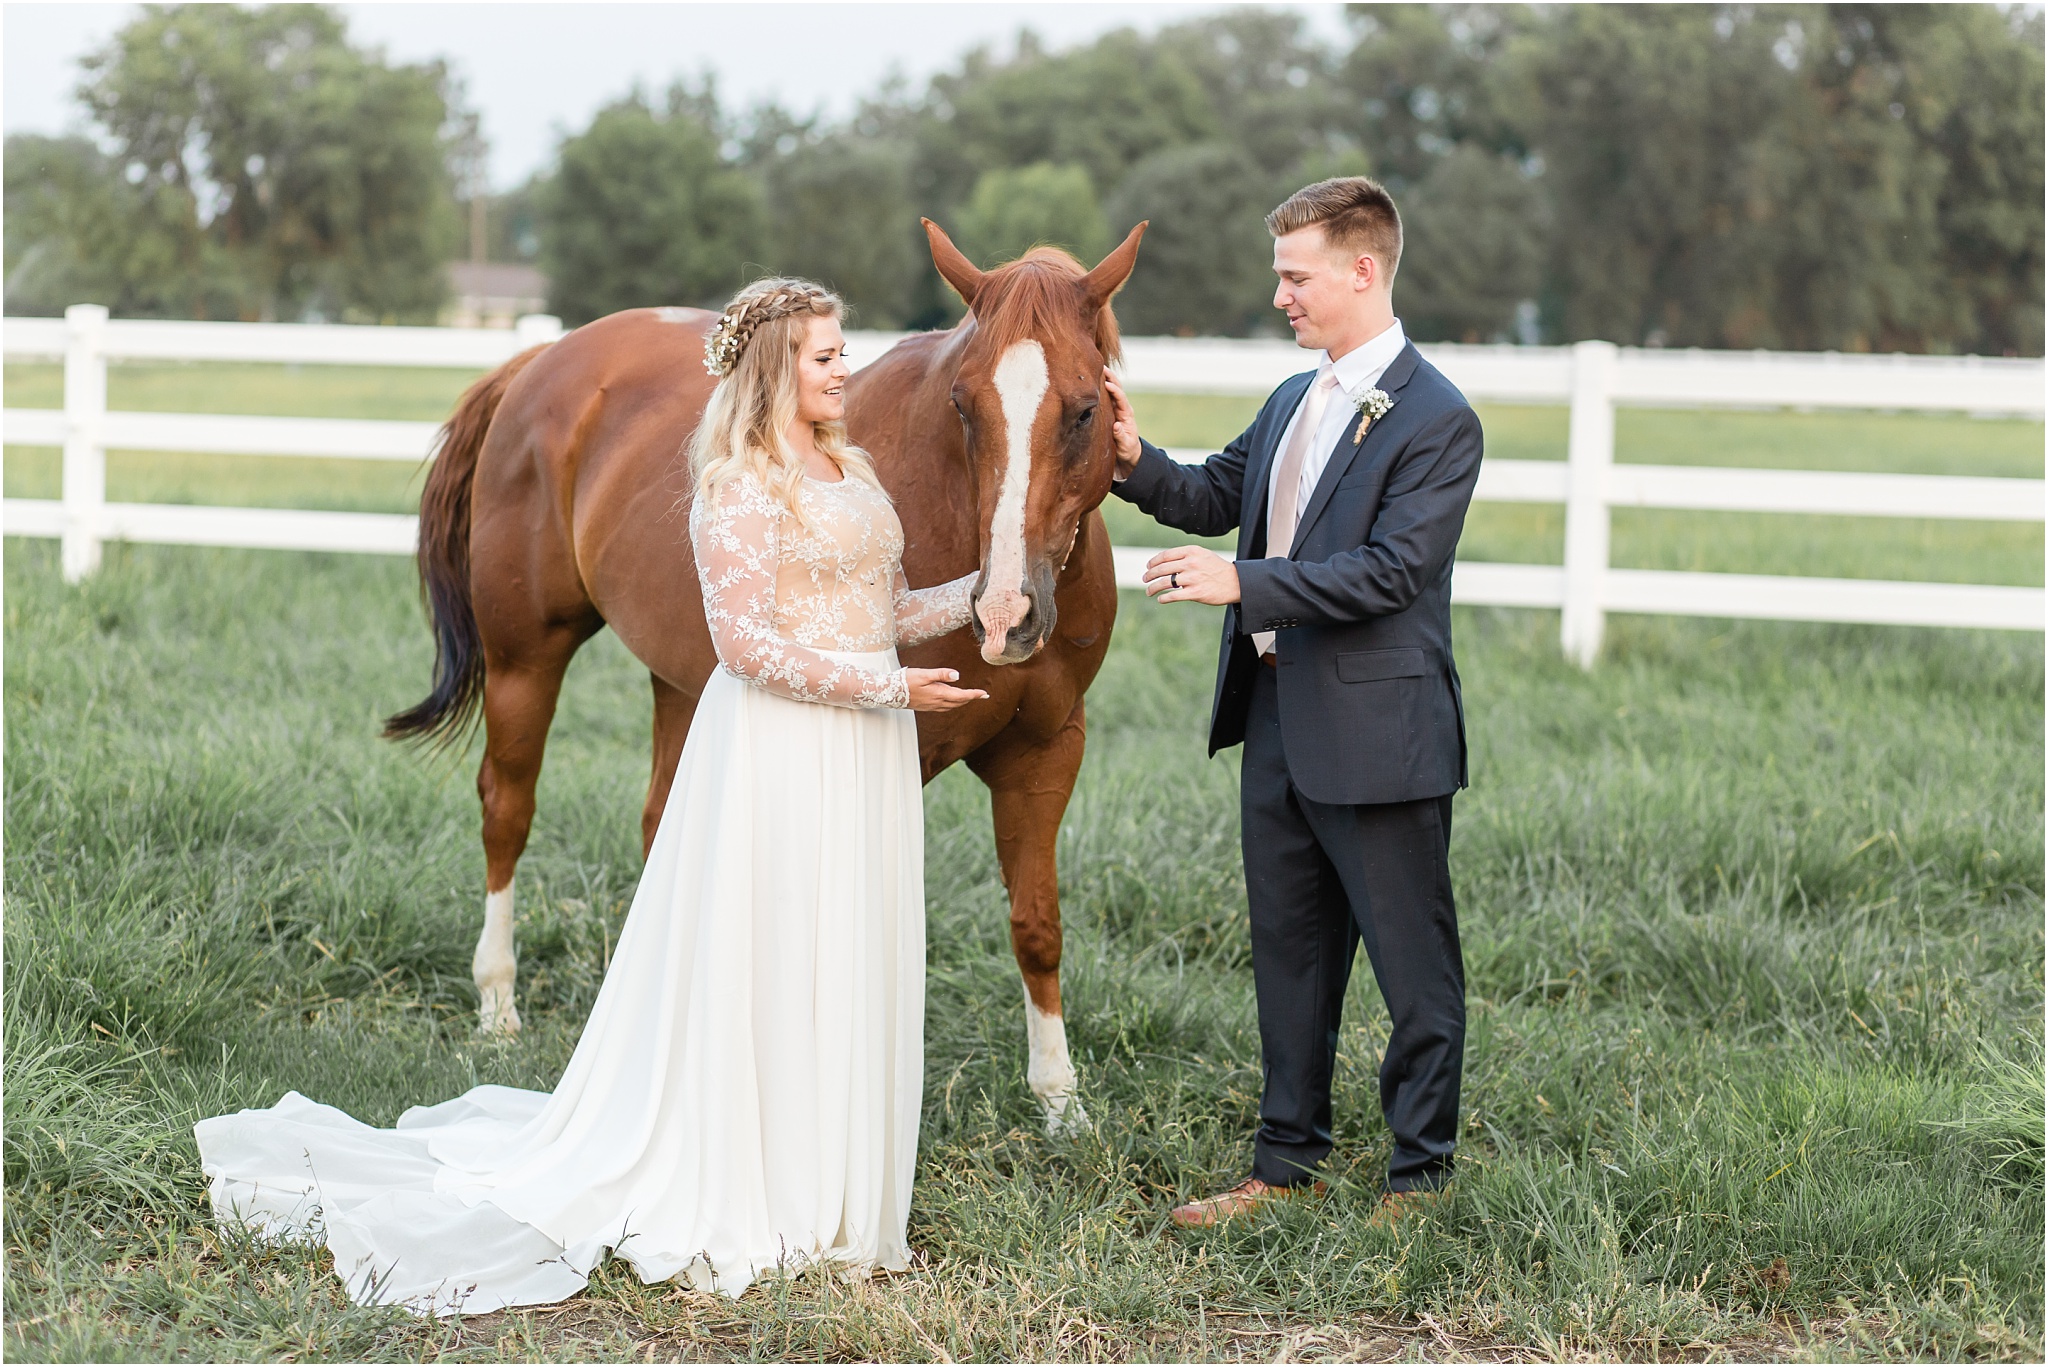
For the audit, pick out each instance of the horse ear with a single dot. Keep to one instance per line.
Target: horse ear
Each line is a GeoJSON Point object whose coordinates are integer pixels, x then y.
{"type": "Point", "coordinates": [952, 263]}
{"type": "Point", "coordinates": [1109, 276]}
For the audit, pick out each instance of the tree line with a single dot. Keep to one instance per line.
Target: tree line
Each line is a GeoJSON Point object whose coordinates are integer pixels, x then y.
{"type": "Point", "coordinates": [1858, 177]}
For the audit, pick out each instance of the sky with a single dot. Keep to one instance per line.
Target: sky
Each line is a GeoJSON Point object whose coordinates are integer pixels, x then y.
{"type": "Point", "coordinates": [537, 70]}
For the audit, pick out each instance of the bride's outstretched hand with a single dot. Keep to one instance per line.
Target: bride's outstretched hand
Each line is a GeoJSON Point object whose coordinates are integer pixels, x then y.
{"type": "Point", "coordinates": [931, 690]}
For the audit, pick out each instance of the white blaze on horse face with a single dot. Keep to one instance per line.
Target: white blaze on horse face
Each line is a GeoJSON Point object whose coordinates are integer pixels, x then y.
{"type": "Point", "coordinates": [1051, 1072]}
{"type": "Point", "coordinates": [1021, 381]}
{"type": "Point", "coordinates": [494, 967]}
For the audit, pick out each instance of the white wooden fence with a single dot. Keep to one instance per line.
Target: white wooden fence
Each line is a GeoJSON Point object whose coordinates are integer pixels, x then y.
{"type": "Point", "coordinates": [1592, 377]}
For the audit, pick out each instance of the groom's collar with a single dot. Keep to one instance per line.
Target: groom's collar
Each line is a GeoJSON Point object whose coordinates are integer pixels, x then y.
{"type": "Point", "coordinates": [1364, 364]}
{"type": "Point", "coordinates": [1402, 370]}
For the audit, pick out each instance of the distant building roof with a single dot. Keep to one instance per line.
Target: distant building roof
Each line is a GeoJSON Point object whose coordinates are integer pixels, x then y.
{"type": "Point", "coordinates": [497, 280]}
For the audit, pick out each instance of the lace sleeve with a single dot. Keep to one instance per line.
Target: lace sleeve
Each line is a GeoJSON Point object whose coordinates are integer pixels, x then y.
{"type": "Point", "coordinates": [735, 542]}
{"type": "Point", "coordinates": [924, 613]}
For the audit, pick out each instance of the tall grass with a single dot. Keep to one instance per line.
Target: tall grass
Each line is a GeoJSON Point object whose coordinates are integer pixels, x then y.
{"type": "Point", "coordinates": [1752, 917]}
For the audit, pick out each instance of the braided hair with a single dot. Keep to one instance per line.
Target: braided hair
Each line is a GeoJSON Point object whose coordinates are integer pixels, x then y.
{"type": "Point", "coordinates": [753, 349]}
{"type": "Point", "coordinates": [764, 301]}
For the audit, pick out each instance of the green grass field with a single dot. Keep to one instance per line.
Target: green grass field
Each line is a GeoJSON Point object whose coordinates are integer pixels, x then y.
{"type": "Point", "coordinates": [1752, 916]}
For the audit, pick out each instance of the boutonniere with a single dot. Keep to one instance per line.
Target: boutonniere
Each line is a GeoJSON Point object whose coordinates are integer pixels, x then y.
{"type": "Point", "coordinates": [1372, 404]}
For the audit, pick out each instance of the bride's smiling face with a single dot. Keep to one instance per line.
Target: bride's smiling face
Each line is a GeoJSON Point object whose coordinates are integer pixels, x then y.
{"type": "Point", "coordinates": [821, 373]}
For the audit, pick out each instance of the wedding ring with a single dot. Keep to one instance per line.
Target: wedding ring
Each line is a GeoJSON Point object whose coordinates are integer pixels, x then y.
{"type": "Point", "coordinates": [1174, 579]}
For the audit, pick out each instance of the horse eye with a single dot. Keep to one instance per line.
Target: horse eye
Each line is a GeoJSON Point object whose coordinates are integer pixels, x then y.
{"type": "Point", "coordinates": [1087, 415]}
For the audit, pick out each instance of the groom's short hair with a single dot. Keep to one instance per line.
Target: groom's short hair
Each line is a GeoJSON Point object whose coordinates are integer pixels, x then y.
{"type": "Point", "coordinates": [1357, 214]}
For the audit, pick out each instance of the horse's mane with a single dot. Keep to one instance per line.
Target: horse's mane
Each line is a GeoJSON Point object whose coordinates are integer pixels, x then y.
{"type": "Point", "coordinates": [1035, 295]}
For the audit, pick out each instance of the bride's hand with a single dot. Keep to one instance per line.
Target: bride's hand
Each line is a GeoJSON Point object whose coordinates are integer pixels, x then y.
{"type": "Point", "coordinates": [931, 690]}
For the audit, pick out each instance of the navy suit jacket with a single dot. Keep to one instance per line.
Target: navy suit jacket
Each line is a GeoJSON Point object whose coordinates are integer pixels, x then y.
{"type": "Point", "coordinates": [1370, 707]}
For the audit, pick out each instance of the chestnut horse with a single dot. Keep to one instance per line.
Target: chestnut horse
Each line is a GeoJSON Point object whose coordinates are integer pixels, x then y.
{"type": "Point", "coordinates": [558, 506]}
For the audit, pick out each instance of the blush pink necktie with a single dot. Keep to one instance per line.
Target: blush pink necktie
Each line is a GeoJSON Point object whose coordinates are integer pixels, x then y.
{"type": "Point", "coordinates": [1287, 478]}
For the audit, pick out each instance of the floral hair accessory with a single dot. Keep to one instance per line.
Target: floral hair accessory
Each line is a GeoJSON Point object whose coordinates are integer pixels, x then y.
{"type": "Point", "coordinates": [722, 345]}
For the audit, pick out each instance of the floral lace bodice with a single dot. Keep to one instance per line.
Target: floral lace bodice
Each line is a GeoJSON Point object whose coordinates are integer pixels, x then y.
{"type": "Point", "coordinates": [777, 593]}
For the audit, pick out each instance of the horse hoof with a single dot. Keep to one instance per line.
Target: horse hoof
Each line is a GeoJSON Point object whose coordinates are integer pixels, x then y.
{"type": "Point", "coordinates": [1064, 1116]}
{"type": "Point", "coordinates": [497, 1015]}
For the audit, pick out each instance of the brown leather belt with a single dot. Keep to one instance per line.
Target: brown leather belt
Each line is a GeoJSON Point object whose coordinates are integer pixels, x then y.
{"type": "Point", "coordinates": [1270, 660]}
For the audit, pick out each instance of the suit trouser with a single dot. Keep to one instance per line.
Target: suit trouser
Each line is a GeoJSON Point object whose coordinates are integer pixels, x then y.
{"type": "Point", "coordinates": [1321, 877]}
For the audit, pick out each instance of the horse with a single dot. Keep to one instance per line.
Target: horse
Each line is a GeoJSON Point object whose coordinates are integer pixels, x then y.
{"type": "Point", "coordinates": [557, 505]}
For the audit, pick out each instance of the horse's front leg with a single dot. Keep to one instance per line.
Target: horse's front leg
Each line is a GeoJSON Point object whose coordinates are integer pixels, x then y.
{"type": "Point", "coordinates": [1029, 782]}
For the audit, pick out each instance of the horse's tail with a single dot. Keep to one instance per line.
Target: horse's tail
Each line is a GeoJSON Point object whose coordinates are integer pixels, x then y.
{"type": "Point", "coordinates": [447, 713]}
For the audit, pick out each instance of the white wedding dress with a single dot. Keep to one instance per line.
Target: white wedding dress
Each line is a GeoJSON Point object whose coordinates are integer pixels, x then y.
{"type": "Point", "coordinates": [745, 1095]}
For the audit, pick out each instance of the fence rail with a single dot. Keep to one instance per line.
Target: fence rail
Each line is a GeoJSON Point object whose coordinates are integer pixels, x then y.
{"type": "Point", "coordinates": [1591, 377]}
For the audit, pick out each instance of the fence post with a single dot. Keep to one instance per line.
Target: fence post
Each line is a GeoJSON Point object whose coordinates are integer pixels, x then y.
{"type": "Point", "coordinates": [85, 459]}
{"type": "Point", "coordinates": [1586, 517]}
{"type": "Point", "coordinates": [534, 328]}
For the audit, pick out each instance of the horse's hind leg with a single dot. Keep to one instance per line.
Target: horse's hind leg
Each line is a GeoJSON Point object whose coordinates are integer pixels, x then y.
{"type": "Point", "coordinates": [673, 709]}
{"type": "Point", "coordinates": [520, 691]}
{"type": "Point", "coordinates": [1029, 782]}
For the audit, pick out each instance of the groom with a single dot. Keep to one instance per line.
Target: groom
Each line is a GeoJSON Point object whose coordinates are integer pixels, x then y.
{"type": "Point", "coordinates": [1348, 493]}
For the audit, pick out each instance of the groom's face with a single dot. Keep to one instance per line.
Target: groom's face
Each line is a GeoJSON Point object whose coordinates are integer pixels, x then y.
{"type": "Point", "coordinates": [1322, 290]}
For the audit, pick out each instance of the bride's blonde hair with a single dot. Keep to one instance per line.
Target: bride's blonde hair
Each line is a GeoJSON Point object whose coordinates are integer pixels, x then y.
{"type": "Point", "coordinates": [753, 348]}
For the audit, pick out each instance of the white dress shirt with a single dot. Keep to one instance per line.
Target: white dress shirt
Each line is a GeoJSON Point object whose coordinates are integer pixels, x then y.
{"type": "Point", "coordinates": [1357, 371]}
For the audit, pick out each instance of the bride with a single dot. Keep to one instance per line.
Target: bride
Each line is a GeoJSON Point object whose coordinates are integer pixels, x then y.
{"type": "Point", "coordinates": [745, 1096]}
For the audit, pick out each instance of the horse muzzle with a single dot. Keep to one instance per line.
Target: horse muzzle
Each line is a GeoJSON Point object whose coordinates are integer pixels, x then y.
{"type": "Point", "coordinates": [1012, 623]}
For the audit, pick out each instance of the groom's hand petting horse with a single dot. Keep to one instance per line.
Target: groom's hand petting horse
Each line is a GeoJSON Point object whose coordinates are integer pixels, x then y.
{"type": "Point", "coordinates": [1191, 574]}
{"type": "Point", "coordinates": [931, 690]}
{"type": "Point", "coordinates": [1188, 574]}
{"type": "Point", "coordinates": [1123, 426]}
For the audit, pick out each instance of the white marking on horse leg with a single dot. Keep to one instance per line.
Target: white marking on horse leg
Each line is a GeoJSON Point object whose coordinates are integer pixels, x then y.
{"type": "Point", "coordinates": [495, 968]}
{"type": "Point", "coordinates": [1051, 1072]}
{"type": "Point", "coordinates": [1021, 381]}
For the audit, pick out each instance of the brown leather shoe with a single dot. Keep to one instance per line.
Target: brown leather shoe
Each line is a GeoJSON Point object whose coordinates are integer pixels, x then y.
{"type": "Point", "coordinates": [1397, 1206]}
{"type": "Point", "coordinates": [1242, 1199]}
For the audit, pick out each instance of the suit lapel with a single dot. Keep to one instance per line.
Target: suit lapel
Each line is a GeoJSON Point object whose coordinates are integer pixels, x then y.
{"type": "Point", "coordinates": [1393, 382]}
{"type": "Point", "coordinates": [1259, 472]}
